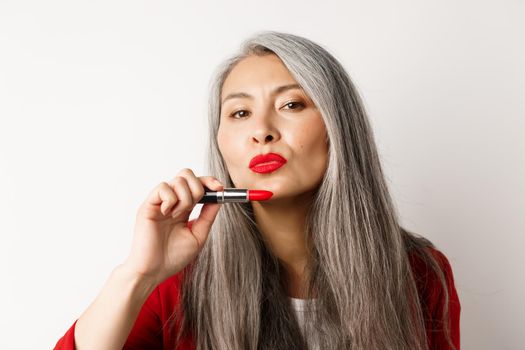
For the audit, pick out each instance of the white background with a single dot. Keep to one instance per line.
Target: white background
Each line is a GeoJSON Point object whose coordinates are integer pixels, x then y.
{"type": "Point", "coordinates": [102, 100]}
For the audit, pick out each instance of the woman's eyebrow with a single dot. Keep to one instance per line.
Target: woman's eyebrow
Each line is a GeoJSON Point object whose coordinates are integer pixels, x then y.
{"type": "Point", "coordinates": [277, 90]}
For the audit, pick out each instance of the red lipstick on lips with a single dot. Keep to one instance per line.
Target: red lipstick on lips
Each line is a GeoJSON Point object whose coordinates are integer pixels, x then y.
{"type": "Point", "coordinates": [266, 163]}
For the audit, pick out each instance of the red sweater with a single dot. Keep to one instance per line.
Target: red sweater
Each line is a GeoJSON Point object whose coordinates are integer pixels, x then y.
{"type": "Point", "coordinates": [148, 331]}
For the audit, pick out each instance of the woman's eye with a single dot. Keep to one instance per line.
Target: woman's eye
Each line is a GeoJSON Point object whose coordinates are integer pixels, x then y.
{"type": "Point", "coordinates": [239, 112]}
{"type": "Point", "coordinates": [244, 113]}
{"type": "Point", "coordinates": [291, 105]}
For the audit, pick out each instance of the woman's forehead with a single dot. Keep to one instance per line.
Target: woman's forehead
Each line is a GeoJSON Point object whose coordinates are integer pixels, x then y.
{"type": "Point", "coordinates": [255, 72]}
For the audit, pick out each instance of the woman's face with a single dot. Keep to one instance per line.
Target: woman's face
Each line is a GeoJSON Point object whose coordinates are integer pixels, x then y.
{"type": "Point", "coordinates": [262, 112]}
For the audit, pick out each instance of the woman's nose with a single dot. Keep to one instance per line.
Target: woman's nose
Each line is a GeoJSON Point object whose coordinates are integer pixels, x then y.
{"type": "Point", "coordinates": [263, 139]}
{"type": "Point", "coordinates": [263, 130]}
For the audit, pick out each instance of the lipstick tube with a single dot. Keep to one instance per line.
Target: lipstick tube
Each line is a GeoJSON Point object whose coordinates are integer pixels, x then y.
{"type": "Point", "coordinates": [234, 195]}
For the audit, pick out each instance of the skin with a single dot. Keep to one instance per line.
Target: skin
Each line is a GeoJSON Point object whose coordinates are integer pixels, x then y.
{"type": "Point", "coordinates": [269, 122]}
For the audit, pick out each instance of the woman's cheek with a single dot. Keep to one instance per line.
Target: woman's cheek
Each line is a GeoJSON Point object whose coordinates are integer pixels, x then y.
{"type": "Point", "coordinates": [302, 139]}
{"type": "Point", "coordinates": [235, 163]}
{"type": "Point", "coordinates": [314, 148]}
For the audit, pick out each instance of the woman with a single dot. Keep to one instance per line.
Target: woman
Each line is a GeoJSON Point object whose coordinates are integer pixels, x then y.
{"type": "Point", "coordinates": [323, 264]}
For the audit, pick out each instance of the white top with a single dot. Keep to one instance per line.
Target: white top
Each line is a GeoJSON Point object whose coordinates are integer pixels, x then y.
{"type": "Point", "coordinates": [301, 306]}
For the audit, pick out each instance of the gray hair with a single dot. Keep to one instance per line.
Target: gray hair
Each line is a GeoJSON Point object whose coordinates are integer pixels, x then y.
{"type": "Point", "coordinates": [232, 296]}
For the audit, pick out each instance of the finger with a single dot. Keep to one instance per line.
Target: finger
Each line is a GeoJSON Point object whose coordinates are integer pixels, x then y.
{"type": "Point", "coordinates": [211, 182]}
{"type": "Point", "coordinates": [152, 207]}
{"type": "Point", "coordinates": [202, 225]}
{"type": "Point", "coordinates": [197, 184]}
{"type": "Point", "coordinates": [183, 193]}
{"type": "Point", "coordinates": [169, 199]}
{"type": "Point", "coordinates": [194, 184]}
{"type": "Point", "coordinates": [207, 183]}
{"type": "Point", "coordinates": [162, 195]}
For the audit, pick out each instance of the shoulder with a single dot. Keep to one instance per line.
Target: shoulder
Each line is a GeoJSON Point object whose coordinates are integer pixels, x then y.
{"type": "Point", "coordinates": [439, 300]}
{"type": "Point", "coordinates": [424, 269]}
{"type": "Point", "coordinates": [427, 275]}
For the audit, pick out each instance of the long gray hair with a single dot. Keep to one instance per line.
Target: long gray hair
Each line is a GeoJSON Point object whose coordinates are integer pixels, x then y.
{"type": "Point", "coordinates": [232, 293]}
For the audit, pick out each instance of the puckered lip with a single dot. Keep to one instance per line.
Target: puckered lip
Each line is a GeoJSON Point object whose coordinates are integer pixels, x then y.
{"type": "Point", "coordinates": [269, 157]}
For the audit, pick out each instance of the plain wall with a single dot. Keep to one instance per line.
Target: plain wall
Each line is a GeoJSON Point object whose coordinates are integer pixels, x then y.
{"type": "Point", "coordinates": [102, 100]}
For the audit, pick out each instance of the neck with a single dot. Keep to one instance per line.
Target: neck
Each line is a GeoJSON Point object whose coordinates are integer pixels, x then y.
{"type": "Point", "coordinates": [282, 226]}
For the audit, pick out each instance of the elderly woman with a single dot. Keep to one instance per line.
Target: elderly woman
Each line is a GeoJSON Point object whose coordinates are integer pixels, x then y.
{"type": "Point", "coordinates": [322, 264]}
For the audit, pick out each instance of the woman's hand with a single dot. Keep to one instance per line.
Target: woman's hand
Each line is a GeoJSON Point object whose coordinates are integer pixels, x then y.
{"type": "Point", "coordinates": [162, 243]}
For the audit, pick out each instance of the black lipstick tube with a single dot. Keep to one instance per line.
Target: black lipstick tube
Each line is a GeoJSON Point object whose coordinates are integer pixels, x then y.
{"type": "Point", "coordinates": [228, 195]}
